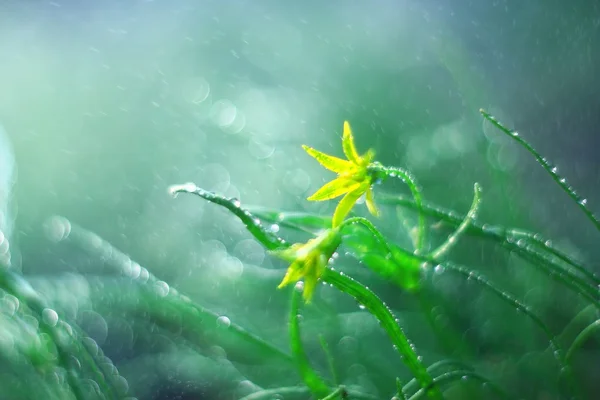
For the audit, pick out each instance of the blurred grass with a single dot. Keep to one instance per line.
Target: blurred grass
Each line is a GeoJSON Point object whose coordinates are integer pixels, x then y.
{"type": "Point", "coordinates": [92, 145]}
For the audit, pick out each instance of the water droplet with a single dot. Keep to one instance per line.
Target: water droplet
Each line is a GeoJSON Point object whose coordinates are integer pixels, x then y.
{"type": "Point", "coordinates": [515, 133]}
{"type": "Point", "coordinates": [196, 90]}
{"type": "Point", "coordinates": [274, 228]}
{"type": "Point", "coordinates": [162, 288]}
{"type": "Point", "coordinates": [74, 363]}
{"type": "Point", "coordinates": [223, 113]}
{"type": "Point", "coordinates": [554, 170]}
{"type": "Point", "coordinates": [120, 384]}
{"type": "Point", "coordinates": [57, 228]}
{"type": "Point", "coordinates": [50, 316]}
{"type": "Point", "coordinates": [563, 180]}
{"type": "Point", "coordinates": [361, 306]}
{"type": "Point", "coordinates": [144, 275]}
{"type": "Point", "coordinates": [189, 187]}
{"type": "Point", "coordinates": [223, 322]}
{"type": "Point", "coordinates": [236, 203]}
{"type": "Point", "coordinates": [557, 354]}
{"type": "Point", "coordinates": [91, 345]}
{"type": "Point", "coordinates": [260, 150]}
{"type": "Point", "coordinates": [9, 304]}
{"type": "Point", "coordinates": [135, 270]}
{"type": "Point", "coordinates": [300, 286]}
{"type": "Point", "coordinates": [438, 269]}
{"type": "Point", "coordinates": [583, 202]}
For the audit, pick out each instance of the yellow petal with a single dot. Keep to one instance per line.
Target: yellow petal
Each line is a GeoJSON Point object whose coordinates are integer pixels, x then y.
{"type": "Point", "coordinates": [290, 254]}
{"type": "Point", "coordinates": [346, 204]}
{"type": "Point", "coordinates": [348, 144]}
{"type": "Point", "coordinates": [335, 188]}
{"type": "Point", "coordinates": [330, 162]}
{"type": "Point", "coordinates": [371, 203]}
{"type": "Point", "coordinates": [293, 274]}
{"type": "Point", "coordinates": [310, 283]}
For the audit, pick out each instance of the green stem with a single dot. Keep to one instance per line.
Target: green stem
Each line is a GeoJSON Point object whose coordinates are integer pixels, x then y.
{"type": "Point", "coordinates": [160, 310]}
{"type": "Point", "coordinates": [330, 362]}
{"type": "Point", "coordinates": [310, 377]}
{"type": "Point", "coordinates": [452, 239]}
{"type": "Point", "coordinates": [17, 286]}
{"type": "Point", "coordinates": [300, 390]}
{"type": "Point", "coordinates": [376, 307]}
{"type": "Point", "coordinates": [370, 227]}
{"type": "Point", "coordinates": [340, 391]}
{"type": "Point", "coordinates": [460, 374]}
{"type": "Point", "coordinates": [269, 240]}
{"type": "Point", "coordinates": [560, 181]}
{"type": "Point", "coordinates": [583, 336]}
{"type": "Point", "coordinates": [508, 239]}
{"type": "Point", "coordinates": [409, 387]}
{"type": "Point", "coordinates": [510, 299]}
{"type": "Point", "coordinates": [409, 179]}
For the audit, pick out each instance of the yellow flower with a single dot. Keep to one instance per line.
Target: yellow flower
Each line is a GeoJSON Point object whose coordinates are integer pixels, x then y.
{"type": "Point", "coordinates": [308, 260]}
{"type": "Point", "coordinates": [353, 178]}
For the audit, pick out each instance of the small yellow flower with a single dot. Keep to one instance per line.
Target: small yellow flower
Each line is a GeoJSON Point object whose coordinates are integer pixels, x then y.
{"type": "Point", "coordinates": [309, 260]}
{"type": "Point", "coordinates": [353, 178]}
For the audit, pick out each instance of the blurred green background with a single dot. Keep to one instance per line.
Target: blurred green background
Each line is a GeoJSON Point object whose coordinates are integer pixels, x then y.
{"type": "Point", "coordinates": [108, 103]}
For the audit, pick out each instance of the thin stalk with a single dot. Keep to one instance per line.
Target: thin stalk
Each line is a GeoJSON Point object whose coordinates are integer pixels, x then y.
{"type": "Point", "coordinates": [508, 239]}
{"type": "Point", "coordinates": [553, 171]}
{"type": "Point", "coordinates": [310, 377]}
{"type": "Point", "coordinates": [469, 218]}
{"type": "Point", "coordinates": [583, 336]}
{"type": "Point", "coordinates": [557, 350]}
{"type": "Point", "coordinates": [457, 375]}
{"type": "Point", "coordinates": [253, 224]}
{"type": "Point", "coordinates": [330, 362]}
{"type": "Point", "coordinates": [388, 322]}
{"type": "Point", "coordinates": [410, 180]}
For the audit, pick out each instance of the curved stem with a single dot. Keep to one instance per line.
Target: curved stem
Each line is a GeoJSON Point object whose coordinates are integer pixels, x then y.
{"type": "Point", "coordinates": [269, 240]}
{"type": "Point", "coordinates": [370, 227]}
{"type": "Point", "coordinates": [508, 239]}
{"type": "Point", "coordinates": [411, 181]}
{"type": "Point", "coordinates": [510, 299]}
{"type": "Point", "coordinates": [388, 322]}
{"type": "Point", "coordinates": [583, 336]}
{"type": "Point", "coordinates": [560, 181]}
{"type": "Point", "coordinates": [460, 374]}
{"type": "Point", "coordinates": [447, 245]}
{"type": "Point", "coordinates": [310, 377]}
{"type": "Point", "coordinates": [437, 365]}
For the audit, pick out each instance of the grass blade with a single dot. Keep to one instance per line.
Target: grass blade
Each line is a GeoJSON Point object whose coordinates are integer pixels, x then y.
{"type": "Point", "coordinates": [310, 377]}
{"type": "Point", "coordinates": [553, 171]}
{"type": "Point", "coordinates": [388, 322]}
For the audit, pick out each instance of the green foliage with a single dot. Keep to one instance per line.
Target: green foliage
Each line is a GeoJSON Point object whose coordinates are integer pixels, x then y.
{"type": "Point", "coordinates": [59, 360]}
